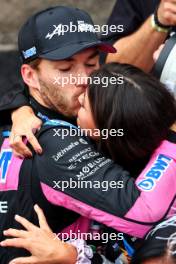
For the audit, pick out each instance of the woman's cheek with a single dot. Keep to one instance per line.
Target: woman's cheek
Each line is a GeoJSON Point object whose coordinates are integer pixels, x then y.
{"type": "Point", "coordinates": [80, 118]}
{"type": "Point", "coordinates": [77, 121]}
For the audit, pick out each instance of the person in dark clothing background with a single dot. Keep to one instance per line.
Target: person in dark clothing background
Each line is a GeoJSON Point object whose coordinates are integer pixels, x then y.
{"type": "Point", "coordinates": [143, 32]}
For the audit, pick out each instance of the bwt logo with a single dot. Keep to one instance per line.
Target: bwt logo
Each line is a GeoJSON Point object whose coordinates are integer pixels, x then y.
{"type": "Point", "coordinates": [155, 173]}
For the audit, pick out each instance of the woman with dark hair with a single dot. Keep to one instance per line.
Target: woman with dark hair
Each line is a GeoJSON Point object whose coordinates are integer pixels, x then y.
{"type": "Point", "coordinates": [141, 106]}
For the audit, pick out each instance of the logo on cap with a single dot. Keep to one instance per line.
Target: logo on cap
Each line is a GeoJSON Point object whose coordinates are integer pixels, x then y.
{"type": "Point", "coordinates": [62, 29]}
{"type": "Point", "coordinates": [29, 52]}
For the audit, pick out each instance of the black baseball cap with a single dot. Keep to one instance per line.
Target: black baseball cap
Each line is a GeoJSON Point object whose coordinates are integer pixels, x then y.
{"type": "Point", "coordinates": [58, 33]}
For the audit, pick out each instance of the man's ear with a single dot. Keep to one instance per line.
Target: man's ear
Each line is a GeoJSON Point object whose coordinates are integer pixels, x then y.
{"type": "Point", "coordinates": [30, 76]}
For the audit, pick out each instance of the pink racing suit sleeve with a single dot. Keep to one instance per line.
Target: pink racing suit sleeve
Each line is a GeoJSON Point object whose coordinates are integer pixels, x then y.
{"type": "Point", "coordinates": [157, 184]}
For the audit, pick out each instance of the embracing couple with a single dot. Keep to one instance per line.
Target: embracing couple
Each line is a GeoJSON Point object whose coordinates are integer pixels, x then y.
{"type": "Point", "coordinates": [141, 106]}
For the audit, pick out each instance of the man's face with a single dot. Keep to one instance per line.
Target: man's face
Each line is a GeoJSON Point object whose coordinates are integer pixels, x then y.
{"type": "Point", "coordinates": [62, 82]}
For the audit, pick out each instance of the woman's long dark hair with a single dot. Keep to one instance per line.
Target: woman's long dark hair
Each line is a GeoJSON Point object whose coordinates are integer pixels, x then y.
{"type": "Point", "coordinates": [141, 106]}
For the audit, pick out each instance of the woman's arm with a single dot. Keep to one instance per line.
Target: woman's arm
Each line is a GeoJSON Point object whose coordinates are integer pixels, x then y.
{"type": "Point", "coordinates": [101, 190]}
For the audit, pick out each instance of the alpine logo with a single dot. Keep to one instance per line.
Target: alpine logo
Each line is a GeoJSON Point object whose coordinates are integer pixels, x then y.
{"type": "Point", "coordinates": [61, 29]}
{"type": "Point", "coordinates": [155, 173]}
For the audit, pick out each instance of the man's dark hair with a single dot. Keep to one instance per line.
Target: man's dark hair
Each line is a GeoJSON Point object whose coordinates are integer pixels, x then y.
{"type": "Point", "coordinates": [141, 106]}
{"type": "Point", "coordinates": [35, 63]}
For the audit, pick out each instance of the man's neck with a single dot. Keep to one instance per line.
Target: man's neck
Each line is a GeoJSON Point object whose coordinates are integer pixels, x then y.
{"type": "Point", "coordinates": [51, 114]}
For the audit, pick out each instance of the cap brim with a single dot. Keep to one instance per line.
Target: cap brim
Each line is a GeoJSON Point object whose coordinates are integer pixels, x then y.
{"type": "Point", "coordinates": [70, 50]}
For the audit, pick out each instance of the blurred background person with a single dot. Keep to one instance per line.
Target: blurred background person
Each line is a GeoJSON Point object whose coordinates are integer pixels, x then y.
{"type": "Point", "coordinates": [147, 24]}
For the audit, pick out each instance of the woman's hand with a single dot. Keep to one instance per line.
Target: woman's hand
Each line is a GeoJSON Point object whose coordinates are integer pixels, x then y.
{"type": "Point", "coordinates": [42, 243]}
{"type": "Point", "coordinates": [25, 124]}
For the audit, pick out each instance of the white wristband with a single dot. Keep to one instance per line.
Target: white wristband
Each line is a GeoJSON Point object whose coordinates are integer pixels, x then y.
{"type": "Point", "coordinates": [85, 252]}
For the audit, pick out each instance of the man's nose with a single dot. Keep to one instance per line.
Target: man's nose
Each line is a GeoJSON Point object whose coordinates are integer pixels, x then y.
{"type": "Point", "coordinates": [82, 78]}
